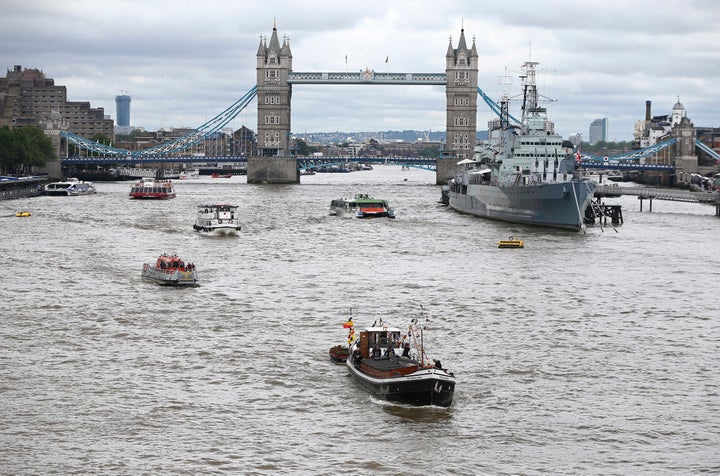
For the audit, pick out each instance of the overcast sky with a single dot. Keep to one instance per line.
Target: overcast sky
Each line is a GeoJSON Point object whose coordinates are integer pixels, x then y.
{"type": "Point", "coordinates": [183, 62]}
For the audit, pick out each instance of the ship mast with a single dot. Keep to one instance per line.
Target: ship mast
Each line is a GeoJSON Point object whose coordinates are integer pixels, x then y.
{"type": "Point", "coordinates": [530, 96]}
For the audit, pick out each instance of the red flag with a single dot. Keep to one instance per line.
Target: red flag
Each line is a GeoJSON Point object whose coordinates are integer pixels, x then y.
{"type": "Point", "coordinates": [578, 156]}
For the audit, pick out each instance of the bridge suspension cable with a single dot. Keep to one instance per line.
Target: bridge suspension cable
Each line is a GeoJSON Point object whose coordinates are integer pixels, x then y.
{"type": "Point", "coordinates": [708, 150]}
{"type": "Point", "coordinates": [181, 143]}
{"type": "Point", "coordinates": [632, 155]}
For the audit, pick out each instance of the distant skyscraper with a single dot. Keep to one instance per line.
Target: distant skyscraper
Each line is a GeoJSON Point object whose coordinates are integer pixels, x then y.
{"type": "Point", "coordinates": [122, 104]}
{"type": "Point", "coordinates": [599, 130]}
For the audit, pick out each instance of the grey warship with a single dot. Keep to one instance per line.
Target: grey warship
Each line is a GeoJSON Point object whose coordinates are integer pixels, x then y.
{"type": "Point", "coordinates": [523, 173]}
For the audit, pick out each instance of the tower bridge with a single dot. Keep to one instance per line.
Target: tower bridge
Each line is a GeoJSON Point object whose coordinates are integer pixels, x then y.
{"type": "Point", "coordinates": [275, 162]}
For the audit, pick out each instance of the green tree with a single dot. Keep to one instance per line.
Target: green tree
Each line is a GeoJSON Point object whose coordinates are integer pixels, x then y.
{"type": "Point", "coordinates": [23, 148]}
{"type": "Point", "coordinates": [301, 147]}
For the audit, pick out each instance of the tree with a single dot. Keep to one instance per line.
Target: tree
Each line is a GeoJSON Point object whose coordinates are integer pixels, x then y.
{"type": "Point", "coordinates": [23, 148]}
{"type": "Point", "coordinates": [301, 147]}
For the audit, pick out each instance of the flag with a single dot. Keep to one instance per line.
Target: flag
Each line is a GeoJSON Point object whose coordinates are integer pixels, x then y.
{"type": "Point", "coordinates": [345, 59]}
{"type": "Point", "coordinates": [578, 156]}
{"type": "Point", "coordinates": [386, 59]}
{"type": "Point", "coordinates": [348, 324]}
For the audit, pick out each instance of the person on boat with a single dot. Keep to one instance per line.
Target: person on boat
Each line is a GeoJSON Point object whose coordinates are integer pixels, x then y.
{"type": "Point", "coordinates": [406, 350]}
{"type": "Point", "coordinates": [438, 365]}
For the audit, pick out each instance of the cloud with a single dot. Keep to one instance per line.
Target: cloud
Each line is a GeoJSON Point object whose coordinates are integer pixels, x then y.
{"type": "Point", "coordinates": [183, 62]}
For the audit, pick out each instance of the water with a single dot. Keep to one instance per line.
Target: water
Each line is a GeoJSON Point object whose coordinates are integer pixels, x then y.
{"type": "Point", "coordinates": [588, 353]}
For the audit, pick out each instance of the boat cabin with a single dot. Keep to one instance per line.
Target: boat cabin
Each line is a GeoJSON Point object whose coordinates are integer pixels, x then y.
{"type": "Point", "coordinates": [374, 341]}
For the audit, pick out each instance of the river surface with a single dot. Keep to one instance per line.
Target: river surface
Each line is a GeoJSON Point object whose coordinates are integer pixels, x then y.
{"type": "Point", "coordinates": [583, 353]}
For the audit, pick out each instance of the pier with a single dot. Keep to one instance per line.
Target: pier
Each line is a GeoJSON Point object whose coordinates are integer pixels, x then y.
{"type": "Point", "coordinates": [651, 193]}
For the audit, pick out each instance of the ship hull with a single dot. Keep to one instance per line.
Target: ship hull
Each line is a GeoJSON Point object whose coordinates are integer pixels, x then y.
{"type": "Point", "coordinates": [555, 205]}
{"type": "Point", "coordinates": [425, 387]}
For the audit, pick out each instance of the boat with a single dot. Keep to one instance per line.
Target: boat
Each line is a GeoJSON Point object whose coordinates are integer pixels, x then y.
{"type": "Point", "coordinates": [71, 187]}
{"type": "Point", "coordinates": [170, 270]}
{"type": "Point", "coordinates": [396, 367]}
{"type": "Point", "coordinates": [218, 219]}
{"type": "Point", "coordinates": [362, 206]}
{"type": "Point", "coordinates": [217, 175]}
{"type": "Point", "coordinates": [151, 188]}
{"type": "Point", "coordinates": [523, 173]}
{"type": "Point", "coordinates": [339, 353]}
{"type": "Point", "coordinates": [511, 243]}
{"type": "Point", "coordinates": [22, 214]}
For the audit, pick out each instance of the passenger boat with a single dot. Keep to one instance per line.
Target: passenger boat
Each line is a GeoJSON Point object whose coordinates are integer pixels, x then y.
{"type": "Point", "coordinates": [70, 187]}
{"type": "Point", "coordinates": [396, 367]}
{"type": "Point", "coordinates": [217, 175]}
{"type": "Point", "coordinates": [218, 219]}
{"type": "Point", "coordinates": [523, 173]}
{"type": "Point", "coordinates": [170, 270]}
{"type": "Point", "coordinates": [154, 189]}
{"type": "Point", "coordinates": [362, 206]}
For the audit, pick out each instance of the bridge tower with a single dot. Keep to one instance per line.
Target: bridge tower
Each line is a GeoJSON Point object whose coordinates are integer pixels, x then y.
{"type": "Point", "coordinates": [274, 63]}
{"type": "Point", "coordinates": [461, 69]}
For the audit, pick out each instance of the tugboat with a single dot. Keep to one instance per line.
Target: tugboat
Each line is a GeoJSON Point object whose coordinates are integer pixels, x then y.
{"type": "Point", "coordinates": [170, 270]}
{"type": "Point", "coordinates": [218, 219]}
{"type": "Point", "coordinates": [397, 368]}
{"type": "Point", "coordinates": [362, 206]}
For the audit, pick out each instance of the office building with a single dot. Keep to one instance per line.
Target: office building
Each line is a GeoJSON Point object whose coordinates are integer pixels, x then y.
{"type": "Point", "coordinates": [598, 131]}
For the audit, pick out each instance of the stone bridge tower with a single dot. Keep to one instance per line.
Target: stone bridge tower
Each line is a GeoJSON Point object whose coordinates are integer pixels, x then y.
{"type": "Point", "coordinates": [274, 63]}
{"type": "Point", "coordinates": [461, 69]}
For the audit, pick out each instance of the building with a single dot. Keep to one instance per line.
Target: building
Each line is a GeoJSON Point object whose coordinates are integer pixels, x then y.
{"type": "Point", "coordinates": [461, 70]}
{"type": "Point", "coordinates": [28, 97]}
{"type": "Point", "coordinates": [576, 139]}
{"type": "Point", "coordinates": [122, 113]}
{"type": "Point", "coordinates": [598, 131]}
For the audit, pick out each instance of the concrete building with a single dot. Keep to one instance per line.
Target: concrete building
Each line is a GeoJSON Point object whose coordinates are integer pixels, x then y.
{"type": "Point", "coordinates": [28, 97]}
{"type": "Point", "coordinates": [598, 131]}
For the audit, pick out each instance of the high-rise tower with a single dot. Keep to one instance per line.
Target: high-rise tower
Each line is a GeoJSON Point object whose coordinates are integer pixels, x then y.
{"type": "Point", "coordinates": [274, 63]}
{"type": "Point", "coordinates": [122, 109]}
{"type": "Point", "coordinates": [461, 69]}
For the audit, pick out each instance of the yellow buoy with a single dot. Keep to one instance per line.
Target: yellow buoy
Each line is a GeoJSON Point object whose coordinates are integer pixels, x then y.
{"type": "Point", "coordinates": [22, 214]}
{"type": "Point", "coordinates": [511, 243]}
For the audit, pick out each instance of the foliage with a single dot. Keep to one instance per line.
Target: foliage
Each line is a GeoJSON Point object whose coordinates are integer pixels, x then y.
{"type": "Point", "coordinates": [599, 146]}
{"type": "Point", "coordinates": [301, 147]}
{"type": "Point", "coordinates": [23, 148]}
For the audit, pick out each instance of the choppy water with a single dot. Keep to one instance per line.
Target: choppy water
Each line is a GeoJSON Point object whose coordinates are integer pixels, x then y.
{"type": "Point", "coordinates": [592, 353]}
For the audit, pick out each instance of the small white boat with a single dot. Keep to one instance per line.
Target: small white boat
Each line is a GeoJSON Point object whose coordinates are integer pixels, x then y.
{"type": "Point", "coordinates": [70, 187]}
{"type": "Point", "coordinates": [219, 219]}
{"type": "Point", "coordinates": [170, 270]}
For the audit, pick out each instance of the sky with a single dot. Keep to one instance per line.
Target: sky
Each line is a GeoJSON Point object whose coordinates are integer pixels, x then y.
{"type": "Point", "coordinates": [184, 62]}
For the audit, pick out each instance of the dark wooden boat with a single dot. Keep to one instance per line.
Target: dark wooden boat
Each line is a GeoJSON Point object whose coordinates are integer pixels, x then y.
{"type": "Point", "coordinates": [396, 368]}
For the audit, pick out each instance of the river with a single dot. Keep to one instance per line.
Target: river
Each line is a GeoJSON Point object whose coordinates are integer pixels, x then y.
{"type": "Point", "coordinates": [583, 353]}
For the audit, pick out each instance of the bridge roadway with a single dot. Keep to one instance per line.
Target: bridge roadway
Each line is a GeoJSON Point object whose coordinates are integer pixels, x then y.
{"type": "Point", "coordinates": [311, 161]}
{"type": "Point", "coordinates": [658, 194]}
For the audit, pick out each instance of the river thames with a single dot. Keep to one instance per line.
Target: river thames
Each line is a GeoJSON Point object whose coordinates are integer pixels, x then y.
{"type": "Point", "coordinates": [583, 353]}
